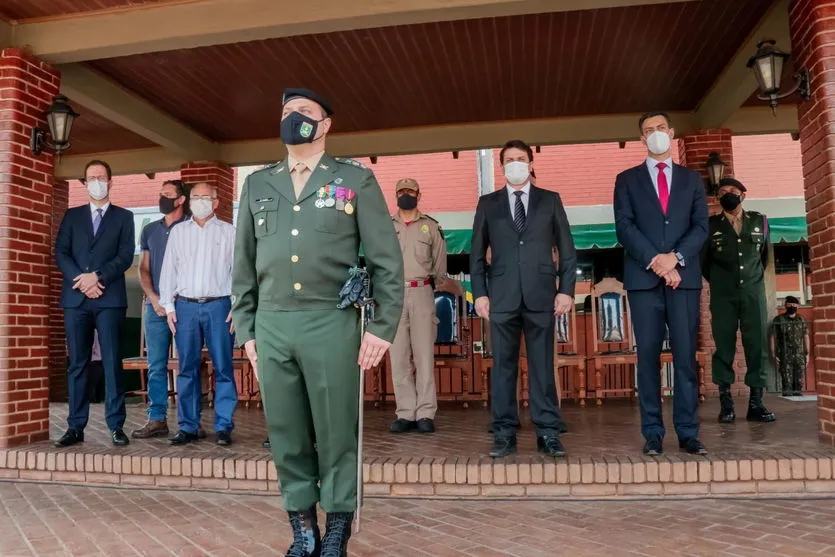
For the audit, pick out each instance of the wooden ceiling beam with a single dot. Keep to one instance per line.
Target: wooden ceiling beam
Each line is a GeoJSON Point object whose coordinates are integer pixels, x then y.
{"type": "Point", "coordinates": [110, 100]}
{"type": "Point", "coordinates": [431, 139]}
{"type": "Point", "coordinates": [161, 27]}
{"type": "Point", "coordinates": [737, 82]}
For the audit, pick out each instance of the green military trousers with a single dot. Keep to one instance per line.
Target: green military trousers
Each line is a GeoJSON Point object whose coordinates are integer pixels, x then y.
{"type": "Point", "coordinates": [733, 308]}
{"type": "Point", "coordinates": [309, 379]}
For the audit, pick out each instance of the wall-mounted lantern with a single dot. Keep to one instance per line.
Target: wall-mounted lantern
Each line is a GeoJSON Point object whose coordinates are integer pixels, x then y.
{"type": "Point", "coordinates": [60, 117]}
{"type": "Point", "coordinates": [715, 171]}
{"type": "Point", "coordinates": [768, 65]}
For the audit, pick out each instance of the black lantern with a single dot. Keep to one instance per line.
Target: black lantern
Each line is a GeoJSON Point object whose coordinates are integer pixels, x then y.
{"type": "Point", "coordinates": [60, 117]}
{"type": "Point", "coordinates": [715, 171]}
{"type": "Point", "coordinates": [768, 65]}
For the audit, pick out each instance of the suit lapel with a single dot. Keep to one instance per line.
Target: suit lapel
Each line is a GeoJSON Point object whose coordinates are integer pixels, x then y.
{"type": "Point", "coordinates": [323, 174]}
{"type": "Point", "coordinates": [106, 218]}
{"type": "Point", "coordinates": [533, 203]}
{"type": "Point", "coordinates": [505, 207]}
{"type": "Point", "coordinates": [646, 182]}
{"type": "Point", "coordinates": [279, 179]}
{"type": "Point", "coordinates": [676, 191]}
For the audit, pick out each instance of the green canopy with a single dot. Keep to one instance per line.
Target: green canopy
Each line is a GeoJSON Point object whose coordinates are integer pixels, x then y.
{"type": "Point", "coordinates": [602, 236]}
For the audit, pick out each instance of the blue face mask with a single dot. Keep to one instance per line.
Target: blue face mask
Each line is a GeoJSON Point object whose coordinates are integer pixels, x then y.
{"type": "Point", "coordinates": [297, 129]}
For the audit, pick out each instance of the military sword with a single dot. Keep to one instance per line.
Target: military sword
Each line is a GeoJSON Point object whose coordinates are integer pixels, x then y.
{"type": "Point", "coordinates": [366, 312]}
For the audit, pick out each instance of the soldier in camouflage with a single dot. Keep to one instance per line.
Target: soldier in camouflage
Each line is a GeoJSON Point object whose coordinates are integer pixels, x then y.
{"type": "Point", "coordinates": [790, 347]}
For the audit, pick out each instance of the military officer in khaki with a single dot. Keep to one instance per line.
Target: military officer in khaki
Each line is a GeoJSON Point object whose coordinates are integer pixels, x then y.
{"type": "Point", "coordinates": [734, 259]}
{"type": "Point", "coordinates": [300, 225]}
{"type": "Point", "coordinates": [413, 352]}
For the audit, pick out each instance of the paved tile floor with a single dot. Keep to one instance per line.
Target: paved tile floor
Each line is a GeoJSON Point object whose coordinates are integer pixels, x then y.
{"type": "Point", "coordinates": [611, 430]}
{"type": "Point", "coordinates": [52, 520]}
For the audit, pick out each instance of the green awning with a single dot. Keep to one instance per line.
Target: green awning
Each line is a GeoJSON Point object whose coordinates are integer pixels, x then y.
{"type": "Point", "coordinates": [602, 236]}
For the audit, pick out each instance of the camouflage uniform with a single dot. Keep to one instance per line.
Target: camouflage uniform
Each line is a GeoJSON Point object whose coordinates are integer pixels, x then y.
{"type": "Point", "coordinates": [790, 350]}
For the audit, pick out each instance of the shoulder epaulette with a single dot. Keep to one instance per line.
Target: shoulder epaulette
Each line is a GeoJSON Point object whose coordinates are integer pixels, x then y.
{"type": "Point", "coordinates": [352, 162]}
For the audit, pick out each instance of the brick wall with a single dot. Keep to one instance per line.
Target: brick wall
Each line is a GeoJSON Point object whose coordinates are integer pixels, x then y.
{"type": "Point", "coordinates": [26, 196]}
{"type": "Point", "coordinates": [813, 47]}
{"type": "Point", "coordinates": [57, 335]}
{"type": "Point", "coordinates": [769, 165]}
{"type": "Point", "coordinates": [135, 190]}
{"type": "Point", "coordinates": [218, 175]}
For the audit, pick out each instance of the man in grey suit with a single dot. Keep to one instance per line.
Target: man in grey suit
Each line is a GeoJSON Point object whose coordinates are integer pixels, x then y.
{"type": "Point", "coordinates": [521, 224]}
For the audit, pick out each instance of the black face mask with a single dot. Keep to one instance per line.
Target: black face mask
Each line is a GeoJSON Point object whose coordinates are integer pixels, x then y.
{"type": "Point", "coordinates": [730, 201]}
{"type": "Point", "coordinates": [166, 205]}
{"type": "Point", "coordinates": [407, 202]}
{"type": "Point", "coordinates": [297, 129]}
{"type": "Point", "coordinates": [791, 310]}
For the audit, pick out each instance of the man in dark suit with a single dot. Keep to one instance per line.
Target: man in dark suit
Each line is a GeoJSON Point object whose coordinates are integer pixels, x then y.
{"type": "Point", "coordinates": [521, 224]}
{"type": "Point", "coordinates": [661, 221]}
{"type": "Point", "coordinates": [94, 248]}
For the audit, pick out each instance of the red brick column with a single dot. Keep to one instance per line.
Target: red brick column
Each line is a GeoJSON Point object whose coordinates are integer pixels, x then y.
{"type": "Point", "coordinates": [57, 334]}
{"type": "Point", "coordinates": [813, 47]}
{"type": "Point", "coordinates": [218, 175]}
{"type": "Point", "coordinates": [27, 86]}
{"type": "Point", "coordinates": [694, 150]}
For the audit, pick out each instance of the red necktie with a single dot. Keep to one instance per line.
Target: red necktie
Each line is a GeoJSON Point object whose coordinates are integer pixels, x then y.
{"type": "Point", "coordinates": [663, 187]}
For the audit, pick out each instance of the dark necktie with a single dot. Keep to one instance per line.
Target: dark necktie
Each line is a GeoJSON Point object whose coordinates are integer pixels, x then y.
{"type": "Point", "coordinates": [97, 221]}
{"type": "Point", "coordinates": [519, 218]}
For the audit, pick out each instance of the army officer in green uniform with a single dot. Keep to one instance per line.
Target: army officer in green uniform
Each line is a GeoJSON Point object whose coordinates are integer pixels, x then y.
{"type": "Point", "coordinates": [734, 260]}
{"type": "Point", "coordinates": [300, 225]}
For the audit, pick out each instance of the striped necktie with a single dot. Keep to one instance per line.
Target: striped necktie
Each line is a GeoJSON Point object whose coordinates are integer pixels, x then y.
{"type": "Point", "coordinates": [97, 221]}
{"type": "Point", "coordinates": [519, 218]}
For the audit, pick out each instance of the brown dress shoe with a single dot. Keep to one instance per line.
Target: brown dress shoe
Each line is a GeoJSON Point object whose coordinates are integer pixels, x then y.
{"type": "Point", "coordinates": [151, 429]}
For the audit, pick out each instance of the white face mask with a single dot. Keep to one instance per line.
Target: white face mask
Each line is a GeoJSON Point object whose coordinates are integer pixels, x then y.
{"type": "Point", "coordinates": [658, 143]}
{"type": "Point", "coordinates": [96, 189]}
{"type": "Point", "coordinates": [201, 208]}
{"type": "Point", "coordinates": [516, 172]}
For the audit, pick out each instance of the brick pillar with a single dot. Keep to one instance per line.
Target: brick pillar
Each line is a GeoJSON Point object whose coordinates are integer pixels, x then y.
{"type": "Point", "coordinates": [694, 150]}
{"type": "Point", "coordinates": [57, 335]}
{"type": "Point", "coordinates": [217, 174]}
{"type": "Point", "coordinates": [27, 86]}
{"type": "Point", "coordinates": [813, 46]}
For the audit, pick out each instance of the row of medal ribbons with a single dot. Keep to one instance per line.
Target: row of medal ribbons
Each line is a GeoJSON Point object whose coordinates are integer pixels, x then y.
{"type": "Point", "coordinates": [338, 197]}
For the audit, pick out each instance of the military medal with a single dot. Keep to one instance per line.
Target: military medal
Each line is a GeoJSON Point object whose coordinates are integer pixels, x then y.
{"type": "Point", "coordinates": [329, 200]}
{"type": "Point", "coordinates": [320, 202]}
{"type": "Point", "coordinates": [340, 198]}
{"type": "Point", "coordinates": [349, 195]}
{"type": "Point", "coordinates": [337, 181]}
{"type": "Point", "coordinates": [260, 222]}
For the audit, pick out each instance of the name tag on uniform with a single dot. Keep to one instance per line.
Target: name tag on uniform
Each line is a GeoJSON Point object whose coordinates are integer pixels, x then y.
{"type": "Point", "coordinates": [264, 200]}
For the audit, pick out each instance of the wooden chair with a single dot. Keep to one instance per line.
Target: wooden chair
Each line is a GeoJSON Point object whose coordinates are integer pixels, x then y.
{"type": "Point", "coordinates": [457, 354]}
{"type": "Point", "coordinates": [244, 378]}
{"type": "Point", "coordinates": [140, 363]}
{"type": "Point", "coordinates": [566, 355]}
{"type": "Point", "coordinates": [612, 336]}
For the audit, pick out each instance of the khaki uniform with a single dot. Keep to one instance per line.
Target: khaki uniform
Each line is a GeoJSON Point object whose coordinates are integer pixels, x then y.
{"type": "Point", "coordinates": [413, 352]}
{"type": "Point", "coordinates": [292, 256]}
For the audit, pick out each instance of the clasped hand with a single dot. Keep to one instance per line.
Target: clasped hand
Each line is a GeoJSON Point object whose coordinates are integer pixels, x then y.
{"type": "Point", "coordinates": [664, 265]}
{"type": "Point", "coordinates": [89, 285]}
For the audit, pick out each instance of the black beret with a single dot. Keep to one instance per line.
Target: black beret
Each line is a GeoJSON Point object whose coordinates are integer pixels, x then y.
{"type": "Point", "coordinates": [792, 300]}
{"type": "Point", "coordinates": [734, 183]}
{"type": "Point", "coordinates": [290, 94]}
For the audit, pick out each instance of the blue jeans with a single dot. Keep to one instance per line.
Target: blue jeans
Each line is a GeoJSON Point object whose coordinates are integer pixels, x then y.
{"type": "Point", "coordinates": [196, 324]}
{"type": "Point", "coordinates": [158, 342]}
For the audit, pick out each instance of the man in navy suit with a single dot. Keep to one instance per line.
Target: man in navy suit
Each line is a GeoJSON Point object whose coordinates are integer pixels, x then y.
{"type": "Point", "coordinates": [661, 221]}
{"type": "Point", "coordinates": [94, 248]}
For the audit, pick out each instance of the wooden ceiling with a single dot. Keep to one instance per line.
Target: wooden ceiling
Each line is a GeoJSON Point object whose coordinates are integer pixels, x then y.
{"type": "Point", "coordinates": [561, 64]}
{"type": "Point", "coordinates": [15, 10]}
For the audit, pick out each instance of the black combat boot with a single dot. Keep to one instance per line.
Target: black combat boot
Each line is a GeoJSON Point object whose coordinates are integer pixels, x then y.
{"type": "Point", "coordinates": [726, 414]}
{"type": "Point", "coordinates": [306, 541]}
{"type": "Point", "coordinates": [337, 534]}
{"type": "Point", "coordinates": [757, 412]}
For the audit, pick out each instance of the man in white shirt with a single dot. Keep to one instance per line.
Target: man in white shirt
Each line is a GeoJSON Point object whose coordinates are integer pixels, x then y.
{"type": "Point", "coordinates": [195, 288]}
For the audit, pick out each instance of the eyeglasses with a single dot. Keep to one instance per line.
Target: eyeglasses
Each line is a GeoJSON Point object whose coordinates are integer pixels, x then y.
{"type": "Point", "coordinates": [202, 197]}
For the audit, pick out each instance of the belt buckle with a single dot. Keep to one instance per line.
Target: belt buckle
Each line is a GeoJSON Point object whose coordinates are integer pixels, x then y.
{"type": "Point", "coordinates": [201, 300]}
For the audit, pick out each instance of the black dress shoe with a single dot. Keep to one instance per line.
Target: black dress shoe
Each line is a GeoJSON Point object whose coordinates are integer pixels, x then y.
{"type": "Point", "coordinates": [425, 425]}
{"type": "Point", "coordinates": [223, 438]}
{"type": "Point", "coordinates": [503, 446]}
{"type": "Point", "coordinates": [71, 437]}
{"type": "Point", "coordinates": [183, 438]}
{"type": "Point", "coordinates": [267, 444]}
{"type": "Point", "coordinates": [402, 426]}
{"type": "Point", "coordinates": [654, 446]}
{"type": "Point", "coordinates": [119, 438]}
{"type": "Point", "coordinates": [550, 445]}
{"type": "Point", "coordinates": [692, 446]}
